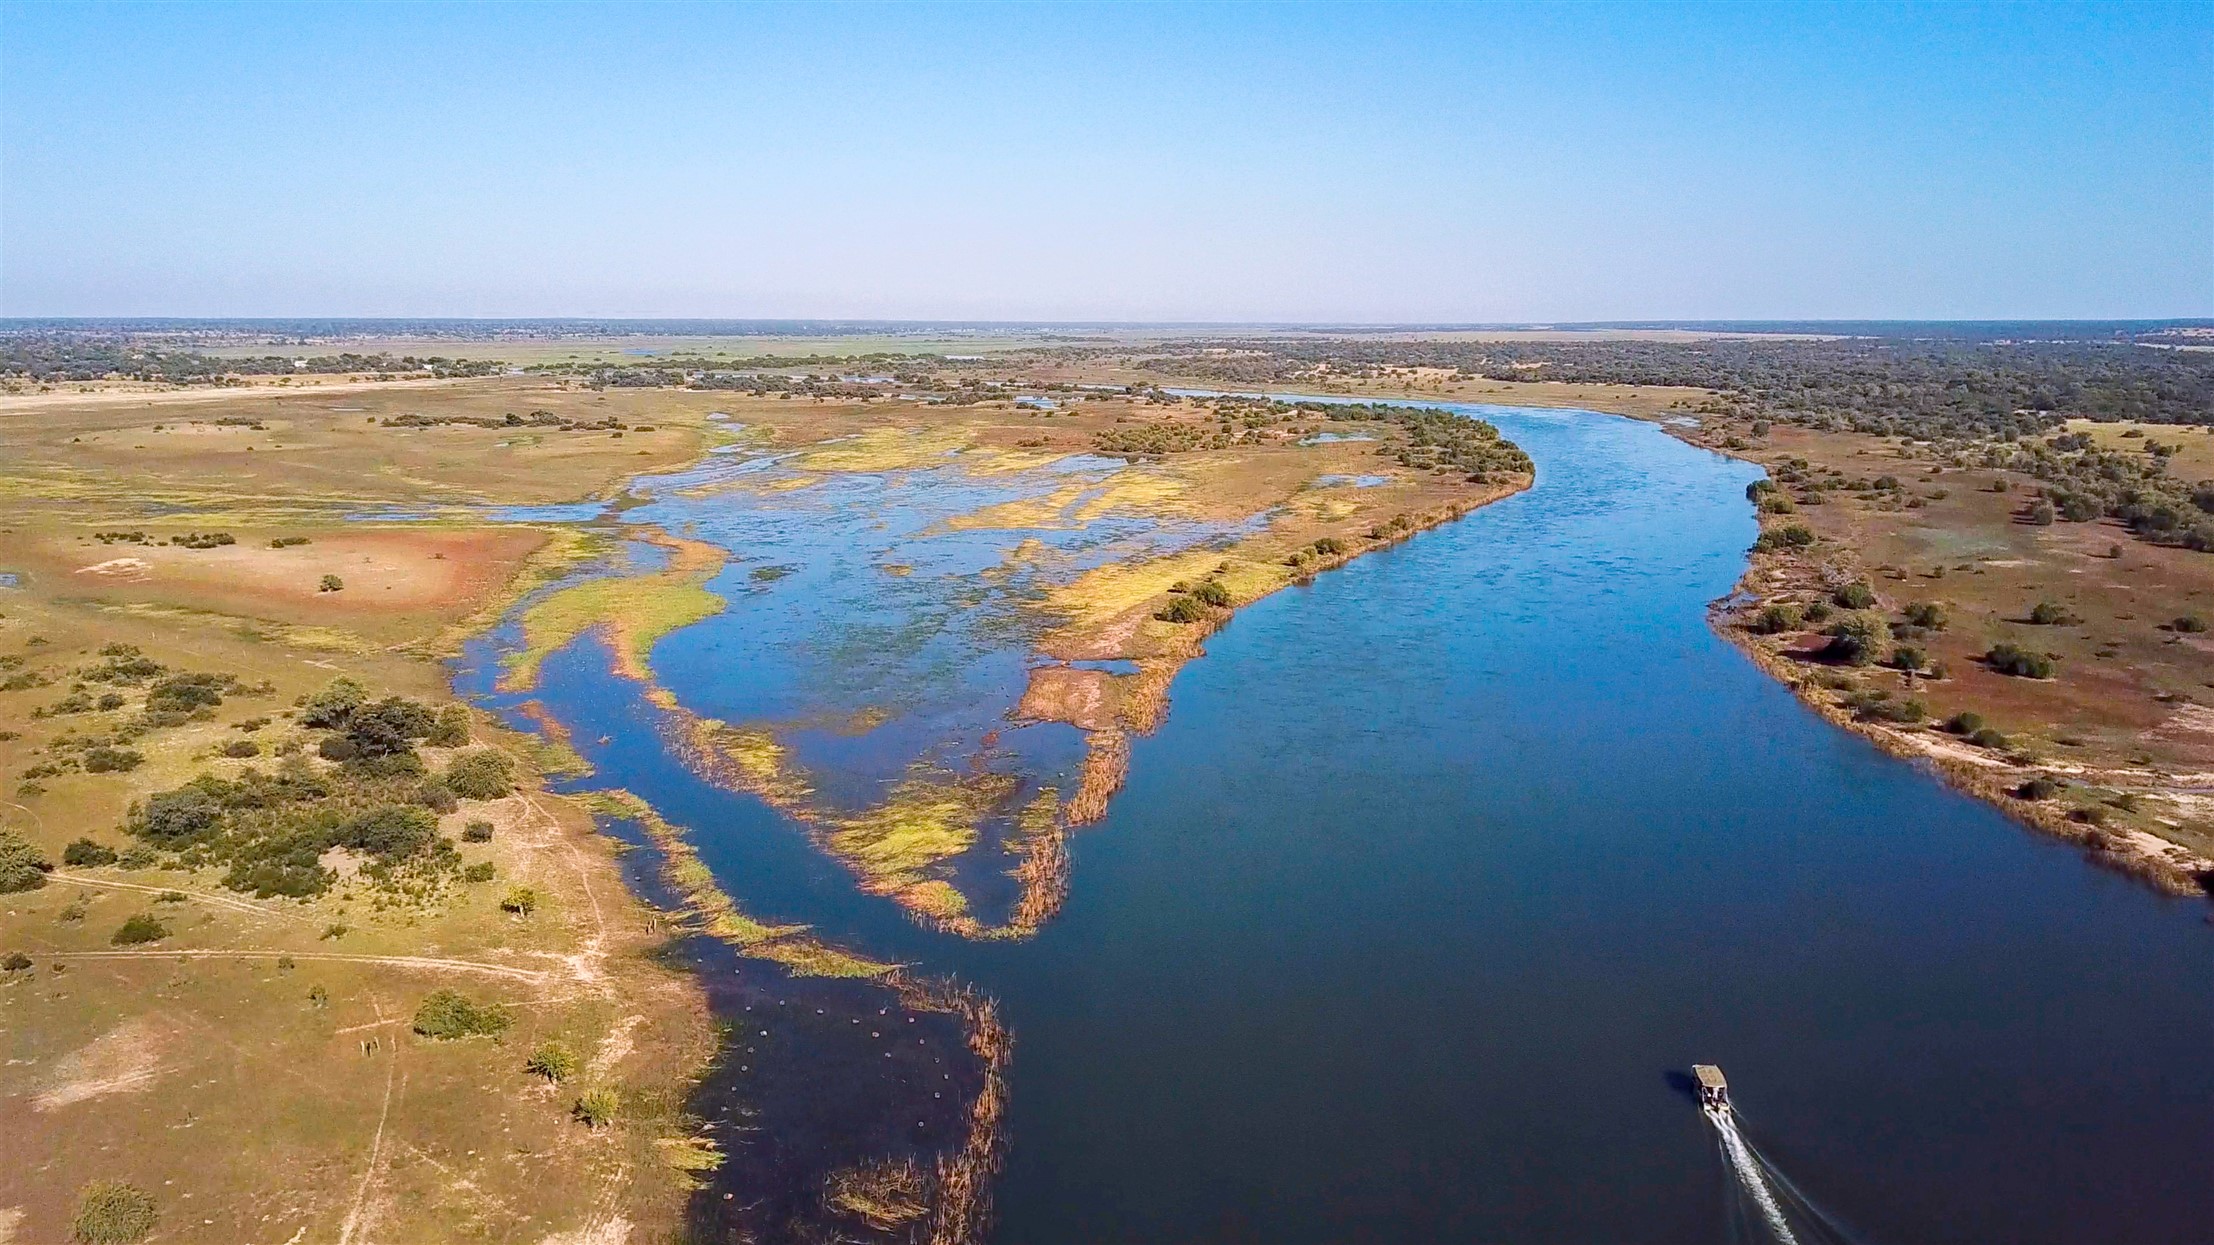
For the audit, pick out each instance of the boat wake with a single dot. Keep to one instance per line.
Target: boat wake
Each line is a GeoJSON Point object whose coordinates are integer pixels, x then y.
{"type": "Point", "coordinates": [1764, 1205]}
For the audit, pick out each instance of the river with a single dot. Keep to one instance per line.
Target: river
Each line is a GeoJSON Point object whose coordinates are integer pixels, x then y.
{"type": "Point", "coordinates": [1445, 868]}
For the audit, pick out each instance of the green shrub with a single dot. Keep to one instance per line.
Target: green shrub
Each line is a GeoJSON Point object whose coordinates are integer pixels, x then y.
{"type": "Point", "coordinates": [391, 832]}
{"type": "Point", "coordinates": [1790, 536]}
{"type": "Point", "coordinates": [520, 900]}
{"type": "Point", "coordinates": [1855, 596]}
{"type": "Point", "coordinates": [481, 871]}
{"type": "Point", "coordinates": [1328, 546]}
{"type": "Point", "coordinates": [1182, 609]}
{"type": "Point", "coordinates": [318, 996]}
{"type": "Point", "coordinates": [1817, 612]}
{"type": "Point", "coordinates": [2038, 789]}
{"type": "Point", "coordinates": [241, 748]}
{"type": "Point", "coordinates": [331, 708]}
{"type": "Point", "coordinates": [1909, 658]}
{"type": "Point", "coordinates": [2041, 514]}
{"type": "Point", "coordinates": [596, 1108]}
{"type": "Point", "coordinates": [1211, 592]}
{"type": "Point", "coordinates": [1858, 640]}
{"type": "Point", "coordinates": [14, 962]}
{"type": "Point", "coordinates": [451, 730]}
{"type": "Point", "coordinates": [1776, 618]}
{"type": "Point", "coordinates": [330, 583]}
{"type": "Point", "coordinates": [2052, 614]}
{"type": "Point", "coordinates": [1965, 722]}
{"type": "Point", "coordinates": [446, 1015]}
{"type": "Point", "coordinates": [112, 1213]}
{"type": "Point", "coordinates": [22, 866]}
{"type": "Point", "coordinates": [1988, 737]}
{"type": "Point", "coordinates": [142, 928]}
{"type": "Point", "coordinates": [2188, 622]}
{"type": "Point", "coordinates": [480, 775]}
{"type": "Point", "coordinates": [553, 1061]}
{"type": "Point", "coordinates": [1927, 614]}
{"type": "Point", "coordinates": [477, 832]}
{"type": "Point", "coordinates": [2020, 662]}
{"type": "Point", "coordinates": [105, 760]}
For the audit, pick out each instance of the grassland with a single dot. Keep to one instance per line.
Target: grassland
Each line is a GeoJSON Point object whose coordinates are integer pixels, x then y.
{"type": "Point", "coordinates": [252, 1066]}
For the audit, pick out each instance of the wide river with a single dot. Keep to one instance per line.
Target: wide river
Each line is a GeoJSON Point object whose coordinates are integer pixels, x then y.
{"type": "Point", "coordinates": [1445, 869]}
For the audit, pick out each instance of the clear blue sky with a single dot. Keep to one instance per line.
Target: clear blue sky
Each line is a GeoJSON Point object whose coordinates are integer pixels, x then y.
{"type": "Point", "coordinates": [1142, 162]}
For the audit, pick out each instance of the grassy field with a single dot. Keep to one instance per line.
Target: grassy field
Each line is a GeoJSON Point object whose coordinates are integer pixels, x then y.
{"type": "Point", "coordinates": [252, 1066]}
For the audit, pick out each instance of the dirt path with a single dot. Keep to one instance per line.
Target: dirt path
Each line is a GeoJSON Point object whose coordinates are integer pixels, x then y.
{"type": "Point", "coordinates": [357, 1215]}
{"type": "Point", "coordinates": [530, 975]}
{"type": "Point", "coordinates": [206, 897]}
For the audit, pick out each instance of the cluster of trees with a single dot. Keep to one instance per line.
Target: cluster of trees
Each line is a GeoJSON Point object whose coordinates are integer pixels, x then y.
{"type": "Point", "coordinates": [1926, 387]}
{"type": "Point", "coordinates": [45, 357]}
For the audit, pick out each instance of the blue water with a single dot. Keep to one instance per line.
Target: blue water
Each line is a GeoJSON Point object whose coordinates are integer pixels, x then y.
{"type": "Point", "coordinates": [1443, 869]}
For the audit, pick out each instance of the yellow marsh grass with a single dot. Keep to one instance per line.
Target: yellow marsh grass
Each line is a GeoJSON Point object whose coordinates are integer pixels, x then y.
{"type": "Point", "coordinates": [718, 914]}
{"type": "Point", "coordinates": [885, 449]}
{"type": "Point", "coordinates": [637, 610]}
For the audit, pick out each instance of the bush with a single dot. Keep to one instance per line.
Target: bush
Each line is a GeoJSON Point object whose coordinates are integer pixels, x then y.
{"type": "Point", "coordinates": [1909, 658]}
{"type": "Point", "coordinates": [1964, 723]}
{"type": "Point", "coordinates": [1328, 546]}
{"type": "Point", "coordinates": [451, 730]}
{"type": "Point", "coordinates": [112, 1213]}
{"type": "Point", "coordinates": [1858, 640]}
{"type": "Point", "coordinates": [14, 962]}
{"type": "Point", "coordinates": [596, 1108]}
{"type": "Point", "coordinates": [2052, 614]}
{"type": "Point", "coordinates": [1790, 536]}
{"type": "Point", "coordinates": [553, 1061]}
{"type": "Point", "coordinates": [481, 775]}
{"type": "Point", "coordinates": [2038, 789]}
{"type": "Point", "coordinates": [112, 760]}
{"type": "Point", "coordinates": [331, 708]}
{"type": "Point", "coordinates": [520, 900]}
{"type": "Point", "coordinates": [87, 854]}
{"type": "Point", "coordinates": [1182, 610]}
{"type": "Point", "coordinates": [1776, 618]}
{"type": "Point", "coordinates": [478, 872]}
{"type": "Point", "coordinates": [2020, 662]}
{"type": "Point", "coordinates": [1988, 737]}
{"type": "Point", "coordinates": [330, 583]}
{"type": "Point", "coordinates": [1855, 596]}
{"type": "Point", "coordinates": [1211, 592]}
{"type": "Point", "coordinates": [1928, 614]}
{"type": "Point", "coordinates": [2188, 622]}
{"type": "Point", "coordinates": [391, 832]}
{"type": "Point", "coordinates": [2041, 514]}
{"type": "Point", "coordinates": [142, 928]}
{"type": "Point", "coordinates": [447, 1015]}
{"type": "Point", "coordinates": [175, 819]}
{"type": "Point", "coordinates": [22, 866]}
{"type": "Point", "coordinates": [477, 832]}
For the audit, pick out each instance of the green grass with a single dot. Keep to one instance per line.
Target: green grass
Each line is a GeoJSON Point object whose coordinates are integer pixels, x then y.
{"type": "Point", "coordinates": [638, 611]}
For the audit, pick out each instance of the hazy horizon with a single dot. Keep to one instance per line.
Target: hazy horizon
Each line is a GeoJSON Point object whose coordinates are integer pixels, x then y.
{"type": "Point", "coordinates": [1466, 166]}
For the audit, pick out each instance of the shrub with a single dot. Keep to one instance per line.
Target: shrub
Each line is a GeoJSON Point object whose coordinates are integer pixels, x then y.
{"type": "Point", "coordinates": [187, 693]}
{"type": "Point", "coordinates": [317, 996]}
{"type": "Point", "coordinates": [22, 866]}
{"type": "Point", "coordinates": [596, 1108]}
{"type": "Point", "coordinates": [1909, 658]}
{"type": "Point", "coordinates": [1858, 640]}
{"type": "Point", "coordinates": [331, 708]}
{"type": "Point", "coordinates": [1855, 596]}
{"type": "Point", "coordinates": [87, 854]}
{"type": "Point", "coordinates": [1777, 617]}
{"type": "Point", "coordinates": [2020, 662]}
{"type": "Point", "coordinates": [1790, 536]}
{"type": "Point", "coordinates": [2052, 614]}
{"type": "Point", "coordinates": [447, 1015]}
{"type": "Point", "coordinates": [520, 900]}
{"type": "Point", "coordinates": [478, 872]}
{"type": "Point", "coordinates": [1328, 546]}
{"type": "Point", "coordinates": [477, 832]}
{"type": "Point", "coordinates": [553, 1061]}
{"type": "Point", "coordinates": [1182, 610]}
{"type": "Point", "coordinates": [1211, 592]}
{"type": "Point", "coordinates": [241, 748]}
{"type": "Point", "coordinates": [1964, 723]}
{"type": "Point", "coordinates": [1927, 614]}
{"type": "Point", "coordinates": [451, 729]}
{"type": "Point", "coordinates": [142, 928]}
{"type": "Point", "coordinates": [1988, 737]}
{"type": "Point", "coordinates": [330, 583]}
{"type": "Point", "coordinates": [2041, 514]}
{"type": "Point", "coordinates": [2038, 789]}
{"type": "Point", "coordinates": [14, 962]}
{"type": "Point", "coordinates": [112, 1213]}
{"type": "Point", "coordinates": [106, 760]}
{"type": "Point", "coordinates": [392, 832]}
{"type": "Point", "coordinates": [481, 775]}
{"type": "Point", "coordinates": [175, 819]}
{"type": "Point", "coordinates": [2188, 622]}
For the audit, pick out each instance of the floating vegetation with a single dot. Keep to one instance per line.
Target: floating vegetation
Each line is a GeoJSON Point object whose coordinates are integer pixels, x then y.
{"type": "Point", "coordinates": [635, 611]}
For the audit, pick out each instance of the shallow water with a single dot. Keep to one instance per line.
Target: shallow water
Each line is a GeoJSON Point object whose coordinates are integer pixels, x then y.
{"type": "Point", "coordinates": [1443, 869]}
